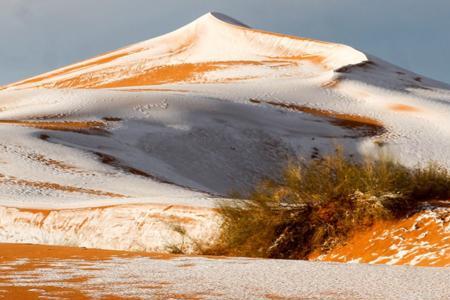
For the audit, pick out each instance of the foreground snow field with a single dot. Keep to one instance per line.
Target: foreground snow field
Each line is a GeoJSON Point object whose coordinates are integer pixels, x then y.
{"type": "Point", "coordinates": [56, 273]}
{"type": "Point", "coordinates": [157, 132]}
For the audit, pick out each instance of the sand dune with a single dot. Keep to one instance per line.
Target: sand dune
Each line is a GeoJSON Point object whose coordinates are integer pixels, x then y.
{"type": "Point", "coordinates": [188, 117]}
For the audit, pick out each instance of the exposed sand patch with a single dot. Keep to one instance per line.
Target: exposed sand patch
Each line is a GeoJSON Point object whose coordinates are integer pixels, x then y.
{"type": "Point", "coordinates": [32, 293]}
{"type": "Point", "coordinates": [74, 126]}
{"type": "Point", "coordinates": [157, 75]}
{"type": "Point", "coordinates": [112, 119]}
{"type": "Point", "coordinates": [366, 125]}
{"type": "Point", "coordinates": [151, 90]}
{"type": "Point", "coordinates": [314, 59]}
{"type": "Point", "coordinates": [114, 162]}
{"type": "Point", "coordinates": [10, 252]}
{"type": "Point", "coordinates": [48, 117]}
{"type": "Point", "coordinates": [53, 163]}
{"type": "Point", "coordinates": [403, 107]}
{"type": "Point", "coordinates": [11, 180]}
{"type": "Point", "coordinates": [331, 84]}
{"type": "Point", "coordinates": [173, 219]}
{"type": "Point", "coordinates": [102, 59]}
{"type": "Point", "coordinates": [186, 265]}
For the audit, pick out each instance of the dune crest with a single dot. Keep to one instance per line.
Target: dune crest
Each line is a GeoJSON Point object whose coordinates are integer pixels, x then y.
{"type": "Point", "coordinates": [210, 43]}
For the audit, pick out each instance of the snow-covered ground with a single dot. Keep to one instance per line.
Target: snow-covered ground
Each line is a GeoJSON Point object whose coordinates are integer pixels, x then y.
{"type": "Point", "coordinates": [187, 118]}
{"type": "Point", "coordinates": [58, 273]}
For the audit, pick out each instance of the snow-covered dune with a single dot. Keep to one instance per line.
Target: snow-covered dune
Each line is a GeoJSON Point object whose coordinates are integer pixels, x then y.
{"type": "Point", "coordinates": [212, 48]}
{"type": "Point", "coordinates": [188, 117]}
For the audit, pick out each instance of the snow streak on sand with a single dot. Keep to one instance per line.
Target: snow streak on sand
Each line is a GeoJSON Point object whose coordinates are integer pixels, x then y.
{"type": "Point", "coordinates": [192, 115]}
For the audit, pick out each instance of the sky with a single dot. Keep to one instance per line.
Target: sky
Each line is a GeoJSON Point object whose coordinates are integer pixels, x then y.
{"type": "Point", "coordinates": [40, 35]}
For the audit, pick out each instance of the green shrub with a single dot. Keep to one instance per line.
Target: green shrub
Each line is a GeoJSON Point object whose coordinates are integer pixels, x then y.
{"type": "Point", "coordinates": [318, 204]}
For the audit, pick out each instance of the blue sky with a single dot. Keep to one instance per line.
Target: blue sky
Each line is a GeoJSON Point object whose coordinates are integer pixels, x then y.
{"type": "Point", "coordinates": [40, 35]}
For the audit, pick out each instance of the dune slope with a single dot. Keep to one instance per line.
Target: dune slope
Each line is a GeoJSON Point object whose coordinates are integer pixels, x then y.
{"type": "Point", "coordinates": [187, 117]}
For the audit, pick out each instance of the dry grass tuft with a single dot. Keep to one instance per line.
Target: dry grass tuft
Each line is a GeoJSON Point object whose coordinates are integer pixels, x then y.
{"type": "Point", "coordinates": [318, 204]}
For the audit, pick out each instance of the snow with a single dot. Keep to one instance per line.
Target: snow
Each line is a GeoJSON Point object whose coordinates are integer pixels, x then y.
{"type": "Point", "coordinates": [171, 136]}
{"type": "Point", "coordinates": [178, 124]}
{"type": "Point", "coordinates": [137, 227]}
{"type": "Point", "coordinates": [210, 38]}
{"type": "Point", "coordinates": [232, 278]}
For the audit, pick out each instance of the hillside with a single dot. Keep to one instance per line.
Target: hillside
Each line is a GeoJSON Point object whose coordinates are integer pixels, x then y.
{"type": "Point", "coordinates": [169, 125]}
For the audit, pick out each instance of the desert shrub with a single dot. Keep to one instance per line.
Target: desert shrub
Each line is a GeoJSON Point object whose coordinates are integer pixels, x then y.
{"type": "Point", "coordinates": [318, 204]}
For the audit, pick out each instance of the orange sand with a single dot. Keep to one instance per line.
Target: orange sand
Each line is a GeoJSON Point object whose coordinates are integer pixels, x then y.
{"type": "Point", "coordinates": [58, 125]}
{"type": "Point", "coordinates": [11, 180]}
{"type": "Point", "coordinates": [384, 240]}
{"type": "Point", "coordinates": [9, 252]}
{"type": "Point", "coordinates": [38, 255]}
{"type": "Point", "coordinates": [102, 59]}
{"type": "Point", "coordinates": [53, 163]}
{"type": "Point", "coordinates": [403, 107]}
{"type": "Point", "coordinates": [344, 120]}
{"type": "Point", "coordinates": [185, 72]}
